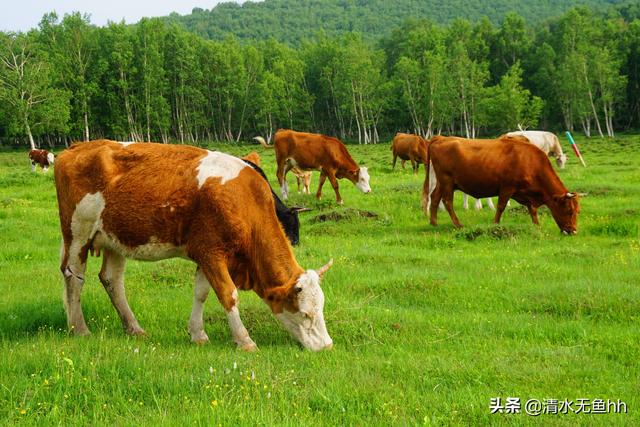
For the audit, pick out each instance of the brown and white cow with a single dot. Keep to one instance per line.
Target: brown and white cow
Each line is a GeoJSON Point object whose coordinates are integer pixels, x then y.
{"type": "Point", "coordinates": [311, 151]}
{"type": "Point", "coordinates": [409, 147]}
{"type": "Point", "coordinates": [546, 141]}
{"type": "Point", "coordinates": [509, 167]}
{"type": "Point", "coordinates": [42, 158]}
{"type": "Point", "coordinates": [154, 201]}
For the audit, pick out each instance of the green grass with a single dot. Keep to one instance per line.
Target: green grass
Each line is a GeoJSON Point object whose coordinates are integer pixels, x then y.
{"type": "Point", "coordinates": [428, 323]}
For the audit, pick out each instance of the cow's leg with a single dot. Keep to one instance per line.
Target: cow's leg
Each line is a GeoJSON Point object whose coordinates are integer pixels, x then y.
{"type": "Point", "coordinates": [503, 198]}
{"type": "Point", "coordinates": [196, 323]}
{"type": "Point", "coordinates": [478, 205]}
{"type": "Point", "coordinates": [307, 183]}
{"type": "Point", "coordinates": [45, 168]}
{"type": "Point", "coordinates": [490, 204]}
{"type": "Point", "coordinates": [394, 161]}
{"type": "Point", "coordinates": [298, 182]}
{"type": "Point", "coordinates": [321, 181]}
{"type": "Point", "coordinates": [413, 167]}
{"type": "Point", "coordinates": [73, 265]}
{"type": "Point", "coordinates": [219, 278]}
{"type": "Point", "coordinates": [533, 211]}
{"type": "Point", "coordinates": [402, 162]}
{"type": "Point", "coordinates": [436, 197]}
{"type": "Point", "coordinates": [112, 278]}
{"type": "Point", "coordinates": [282, 180]}
{"type": "Point", "coordinates": [465, 201]}
{"type": "Point", "coordinates": [447, 199]}
{"type": "Point", "coordinates": [334, 184]}
{"type": "Point", "coordinates": [33, 167]}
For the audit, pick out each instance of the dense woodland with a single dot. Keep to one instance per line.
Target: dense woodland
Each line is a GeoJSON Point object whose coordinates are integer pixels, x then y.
{"type": "Point", "coordinates": [292, 21]}
{"type": "Point", "coordinates": [69, 80]}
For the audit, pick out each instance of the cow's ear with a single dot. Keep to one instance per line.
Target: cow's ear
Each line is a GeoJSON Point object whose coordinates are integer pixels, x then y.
{"type": "Point", "coordinates": [570, 195]}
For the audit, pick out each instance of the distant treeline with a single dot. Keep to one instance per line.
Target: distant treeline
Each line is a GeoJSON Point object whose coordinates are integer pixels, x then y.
{"type": "Point", "coordinates": [69, 80]}
{"type": "Point", "coordinates": [292, 21]}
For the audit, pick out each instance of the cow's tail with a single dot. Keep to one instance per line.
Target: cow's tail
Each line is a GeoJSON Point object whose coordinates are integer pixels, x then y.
{"type": "Point", "coordinates": [426, 187]}
{"type": "Point", "coordinates": [51, 158]}
{"type": "Point", "coordinates": [262, 142]}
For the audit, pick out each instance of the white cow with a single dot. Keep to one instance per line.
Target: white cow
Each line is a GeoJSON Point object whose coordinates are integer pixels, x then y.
{"type": "Point", "coordinates": [546, 141]}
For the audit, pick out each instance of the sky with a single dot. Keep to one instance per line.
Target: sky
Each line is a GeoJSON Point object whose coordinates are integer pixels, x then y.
{"type": "Point", "coordinates": [22, 15]}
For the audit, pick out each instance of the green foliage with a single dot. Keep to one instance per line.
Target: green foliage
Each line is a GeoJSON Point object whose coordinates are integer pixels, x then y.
{"type": "Point", "coordinates": [156, 81]}
{"type": "Point", "coordinates": [292, 21]}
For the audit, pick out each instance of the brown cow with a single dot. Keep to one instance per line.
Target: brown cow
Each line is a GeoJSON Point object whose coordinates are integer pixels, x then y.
{"type": "Point", "coordinates": [311, 151]}
{"type": "Point", "coordinates": [154, 201]}
{"type": "Point", "coordinates": [42, 158]}
{"type": "Point", "coordinates": [409, 147]}
{"type": "Point", "coordinates": [253, 157]}
{"type": "Point", "coordinates": [509, 167]}
{"type": "Point", "coordinates": [302, 178]}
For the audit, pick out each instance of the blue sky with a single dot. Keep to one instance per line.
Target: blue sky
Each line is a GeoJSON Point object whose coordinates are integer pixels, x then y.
{"type": "Point", "coordinates": [22, 15]}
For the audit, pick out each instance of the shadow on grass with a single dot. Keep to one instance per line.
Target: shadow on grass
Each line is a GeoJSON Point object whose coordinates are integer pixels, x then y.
{"type": "Point", "coordinates": [22, 320]}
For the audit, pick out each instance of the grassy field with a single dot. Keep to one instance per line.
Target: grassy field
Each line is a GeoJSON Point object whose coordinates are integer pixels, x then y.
{"type": "Point", "coordinates": [429, 323]}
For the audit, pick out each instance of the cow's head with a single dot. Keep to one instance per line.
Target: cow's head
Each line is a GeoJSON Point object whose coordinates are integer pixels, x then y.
{"type": "Point", "coordinates": [299, 307]}
{"type": "Point", "coordinates": [566, 212]}
{"type": "Point", "coordinates": [288, 217]}
{"type": "Point", "coordinates": [360, 177]}
{"type": "Point", "coordinates": [561, 160]}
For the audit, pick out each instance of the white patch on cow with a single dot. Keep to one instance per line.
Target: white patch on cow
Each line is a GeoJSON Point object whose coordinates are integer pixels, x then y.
{"type": "Point", "coordinates": [238, 331]}
{"type": "Point", "coordinates": [86, 221]}
{"type": "Point", "coordinates": [51, 158]}
{"type": "Point", "coordinates": [219, 165]}
{"type": "Point", "coordinates": [307, 325]}
{"type": "Point", "coordinates": [153, 250]}
{"type": "Point", "coordinates": [284, 190]}
{"type": "Point", "coordinates": [363, 180]}
{"type": "Point", "coordinates": [127, 143]}
{"type": "Point", "coordinates": [86, 224]}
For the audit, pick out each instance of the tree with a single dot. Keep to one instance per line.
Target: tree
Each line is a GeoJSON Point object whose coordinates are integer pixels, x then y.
{"type": "Point", "coordinates": [509, 105]}
{"type": "Point", "coordinates": [25, 84]}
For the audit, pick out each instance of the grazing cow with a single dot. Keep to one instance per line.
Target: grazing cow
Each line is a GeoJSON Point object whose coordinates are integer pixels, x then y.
{"type": "Point", "coordinates": [310, 151]}
{"type": "Point", "coordinates": [288, 217]}
{"type": "Point", "coordinates": [42, 158]}
{"type": "Point", "coordinates": [509, 167]}
{"type": "Point", "coordinates": [465, 196]}
{"type": "Point", "coordinates": [409, 147]}
{"type": "Point", "coordinates": [155, 201]}
{"type": "Point", "coordinates": [546, 141]}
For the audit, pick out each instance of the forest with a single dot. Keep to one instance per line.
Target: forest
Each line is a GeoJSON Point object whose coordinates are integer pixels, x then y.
{"type": "Point", "coordinates": [156, 81]}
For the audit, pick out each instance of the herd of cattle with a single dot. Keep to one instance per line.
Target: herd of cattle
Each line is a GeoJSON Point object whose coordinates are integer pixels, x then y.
{"type": "Point", "coordinates": [150, 201]}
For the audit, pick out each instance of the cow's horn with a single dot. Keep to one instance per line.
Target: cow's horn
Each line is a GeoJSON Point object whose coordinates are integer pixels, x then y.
{"type": "Point", "coordinates": [570, 195]}
{"type": "Point", "coordinates": [300, 209]}
{"type": "Point", "coordinates": [324, 268]}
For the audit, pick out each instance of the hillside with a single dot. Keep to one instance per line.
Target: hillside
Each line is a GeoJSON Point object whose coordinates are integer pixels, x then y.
{"type": "Point", "coordinates": [291, 21]}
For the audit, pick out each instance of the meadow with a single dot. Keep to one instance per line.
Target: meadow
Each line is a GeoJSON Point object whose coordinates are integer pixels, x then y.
{"type": "Point", "coordinates": [428, 323]}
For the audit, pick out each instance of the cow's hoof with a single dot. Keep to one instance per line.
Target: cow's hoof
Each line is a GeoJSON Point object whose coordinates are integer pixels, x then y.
{"type": "Point", "coordinates": [80, 332]}
{"type": "Point", "coordinates": [249, 347]}
{"type": "Point", "coordinates": [136, 332]}
{"type": "Point", "coordinates": [340, 202]}
{"type": "Point", "coordinates": [199, 338]}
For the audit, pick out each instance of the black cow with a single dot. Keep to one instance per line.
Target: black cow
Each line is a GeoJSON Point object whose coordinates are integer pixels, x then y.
{"type": "Point", "coordinates": [288, 217]}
